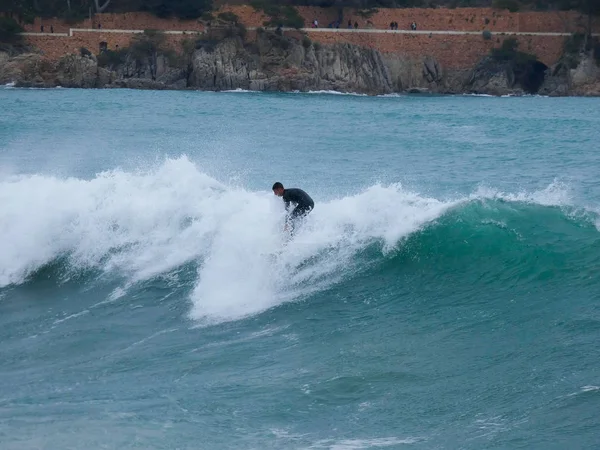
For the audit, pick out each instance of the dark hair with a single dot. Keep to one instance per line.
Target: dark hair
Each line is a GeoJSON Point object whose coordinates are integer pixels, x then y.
{"type": "Point", "coordinates": [277, 185]}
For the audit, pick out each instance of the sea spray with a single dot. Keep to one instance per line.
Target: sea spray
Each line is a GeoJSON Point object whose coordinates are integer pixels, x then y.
{"type": "Point", "coordinates": [139, 225]}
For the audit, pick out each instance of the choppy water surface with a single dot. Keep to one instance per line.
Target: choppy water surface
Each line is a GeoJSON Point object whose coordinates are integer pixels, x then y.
{"type": "Point", "coordinates": [442, 295]}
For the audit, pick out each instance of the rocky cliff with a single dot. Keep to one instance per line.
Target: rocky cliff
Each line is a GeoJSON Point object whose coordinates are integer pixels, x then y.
{"type": "Point", "coordinates": [577, 78]}
{"type": "Point", "coordinates": [277, 63]}
{"type": "Point", "coordinates": [270, 63]}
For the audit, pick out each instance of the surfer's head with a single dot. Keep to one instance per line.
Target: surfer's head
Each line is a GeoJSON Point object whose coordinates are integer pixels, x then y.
{"type": "Point", "coordinates": [278, 189]}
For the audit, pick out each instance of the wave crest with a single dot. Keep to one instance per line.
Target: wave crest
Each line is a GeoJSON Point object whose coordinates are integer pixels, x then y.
{"type": "Point", "coordinates": [144, 224]}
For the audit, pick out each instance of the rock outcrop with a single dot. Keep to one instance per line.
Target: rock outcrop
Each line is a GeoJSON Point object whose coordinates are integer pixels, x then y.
{"type": "Point", "coordinates": [31, 70]}
{"type": "Point", "coordinates": [277, 63]}
{"type": "Point", "coordinates": [422, 75]}
{"type": "Point", "coordinates": [506, 77]}
{"type": "Point", "coordinates": [271, 63]}
{"type": "Point", "coordinates": [579, 79]}
{"type": "Point", "coordinates": [81, 72]}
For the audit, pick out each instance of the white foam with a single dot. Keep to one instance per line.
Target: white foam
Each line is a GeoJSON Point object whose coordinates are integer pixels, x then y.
{"type": "Point", "coordinates": [332, 92]}
{"type": "Point", "coordinates": [356, 444]}
{"type": "Point", "coordinates": [140, 225]}
{"type": "Point", "coordinates": [240, 90]}
{"type": "Point", "coordinates": [590, 388]}
{"type": "Point", "coordinates": [249, 269]}
{"type": "Point", "coordinates": [555, 194]}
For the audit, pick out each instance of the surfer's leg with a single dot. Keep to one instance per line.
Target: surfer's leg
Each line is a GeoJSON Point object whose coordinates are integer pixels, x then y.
{"type": "Point", "coordinates": [296, 219]}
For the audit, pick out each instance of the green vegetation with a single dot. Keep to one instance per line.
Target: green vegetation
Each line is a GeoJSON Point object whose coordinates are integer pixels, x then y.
{"type": "Point", "coordinates": [511, 5]}
{"type": "Point", "coordinates": [147, 44]}
{"type": "Point", "coordinates": [9, 30]}
{"type": "Point", "coordinates": [236, 30]}
{"type": "Point", "coordinates": [85, 52]}
{"type": "Point", "coordinates": [577, 44]}
{"type": "Point", "coordinates": [367, 13]}
{"type": "Point", "coordinates": [207, 17]}
{"type": "Point", "coordinates": [487, 35]}
{"type": "Point", "coordinates": [280, 15]}
{"type": "Point", "coordinates": [75, 10]}
{"type": "Point", "coordinates": [306, 42]}
{"type": "Point", "coordinates": [509, 52]}
{"type": "Point", "coordinates": [228, 17]}
{"type": "Point", "coordinates": [574, 43]}
{"type": "Point", "coordinates": [112, 58]}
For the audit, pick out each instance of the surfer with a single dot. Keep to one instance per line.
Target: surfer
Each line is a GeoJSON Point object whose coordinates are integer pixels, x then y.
{"type": "Point", "coordinates": [298, 204]}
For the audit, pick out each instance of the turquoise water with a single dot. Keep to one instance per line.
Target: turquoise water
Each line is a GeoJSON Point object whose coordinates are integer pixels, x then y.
{"type": "Point", "coordinates": [442, 295]}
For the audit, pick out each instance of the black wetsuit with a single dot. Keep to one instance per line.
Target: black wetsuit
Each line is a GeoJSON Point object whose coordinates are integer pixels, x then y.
{"type": "Point", "coordinates": [300, 201]}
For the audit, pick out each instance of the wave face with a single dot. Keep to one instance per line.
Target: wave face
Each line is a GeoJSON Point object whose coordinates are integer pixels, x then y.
{"type": "Point", "coordinates": [135, 227]}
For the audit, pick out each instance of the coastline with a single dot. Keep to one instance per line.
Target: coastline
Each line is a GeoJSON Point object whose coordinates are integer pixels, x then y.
{"type": "Point", "coordinates": [230, 57]}
{"type": "Point", "coordinates": [13, 85]}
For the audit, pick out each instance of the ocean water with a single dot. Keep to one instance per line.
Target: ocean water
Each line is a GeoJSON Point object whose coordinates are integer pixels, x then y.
{"type": "Point", "coordinates": [443, 294]}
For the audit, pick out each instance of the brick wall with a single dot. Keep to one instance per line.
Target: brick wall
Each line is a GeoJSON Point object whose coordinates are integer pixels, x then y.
{"type": "Point", "coordinates": [441, 19]}
{"type": "Point", "coordinates": [54, 47]}
{"type": "Point", "coordinates": [451, 50]}
{"type": "Point", "coordinates": [125, 21]}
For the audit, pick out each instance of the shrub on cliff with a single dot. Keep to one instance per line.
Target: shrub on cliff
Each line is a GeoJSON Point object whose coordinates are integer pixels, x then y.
{"type": "Point", "coordinates": [206, 42]}
{"type": "Point", "coordinates": [367, 13]}
{"type": "Point", "coordinates": [236, 30]}
{"type": "Point", "coordinates": [487, 35]}
{"type": "Point", "coordinates": [228, 16]}
{"type": "Point", "coordinates": [112, 58]}
{"type": "Point", "coordinates": [509, 52]}
{"type": "Point", "coordinates": [9, 30]}
{"type": "Point", "coordinates": [306, 42]}
{"type": "Point", "coordinates": [147, 44]}
{"type": "Point", "coordinates": [511, 5]}
{"type": "Point", "coordinates": [73, 17]}
{"type": "Point", "coordinates": [280, 15]}
{"type": "Point", "coordinates": [184, 9]}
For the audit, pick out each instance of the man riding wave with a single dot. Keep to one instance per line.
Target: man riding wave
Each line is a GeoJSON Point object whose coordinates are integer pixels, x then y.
{"type": "Point", "coordinates": [298, 204]}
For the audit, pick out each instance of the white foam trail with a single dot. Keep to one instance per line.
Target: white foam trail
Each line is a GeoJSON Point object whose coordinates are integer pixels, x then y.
{"type": "Point", "coordinates": [240, 90]}
{"type": "Point", "coordinates": [555, 194]}
{"type": "Point", "coordinates": [248, 269]}
{"type": "Point", "coordinates": [359, 444]}
{"type": "Point", "coordinates": [331, 92]}
{"type": "Point", "coordinates": [140, 225]}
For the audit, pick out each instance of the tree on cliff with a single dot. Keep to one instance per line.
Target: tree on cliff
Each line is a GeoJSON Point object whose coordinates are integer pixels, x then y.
{"type": "Point", "coordinates": [184, 9]}
{"type": "Point", "coordinates": [590, 8]}
{"type": "Point", "coordinates": [99, 8]}
{"type": "Point", "coordinates": [27, 10]}
{"type": "Point", "coordinates": [9, 30]}
{"type": "Point", "coordinates": [23, 10]}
